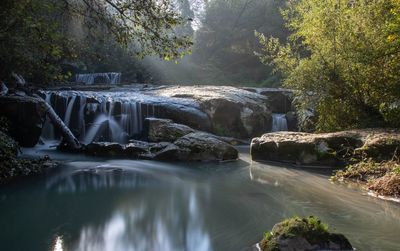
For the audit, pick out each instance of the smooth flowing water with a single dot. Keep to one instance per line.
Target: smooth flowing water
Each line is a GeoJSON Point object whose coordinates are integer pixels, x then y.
{"type": "Point", "coordinates": [97, 204]}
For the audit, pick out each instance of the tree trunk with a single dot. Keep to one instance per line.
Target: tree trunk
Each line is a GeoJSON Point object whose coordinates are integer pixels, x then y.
{"type": "Point", "coordinates": [69, 138]}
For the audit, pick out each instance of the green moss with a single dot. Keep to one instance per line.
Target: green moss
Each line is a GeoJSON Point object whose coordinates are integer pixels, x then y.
{"type": "Point", "coordinates": [221, 130]}
{"type": "Point", "coordinates": [269, 243]}
{"type": "Point", "coordinates": [311, 228]}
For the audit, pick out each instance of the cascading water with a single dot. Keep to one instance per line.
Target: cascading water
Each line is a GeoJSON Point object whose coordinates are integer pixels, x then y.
{"type": "Point", "coordinates": [105, 78]}
{"type": "Point", "coordinates": [68, 112]}
{"type": "Point", "coordinates": [98, 118]}
{"type": "Point", "coordinates": [279, 122]}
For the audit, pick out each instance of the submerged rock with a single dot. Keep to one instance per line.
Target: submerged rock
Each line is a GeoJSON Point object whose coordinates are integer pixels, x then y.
{"type": "Point", "coordinates": [325, 149]}
{"type": "Point", "coordinates": [303, 234]}
{"type": "Point", "coordinates": [27, 116]}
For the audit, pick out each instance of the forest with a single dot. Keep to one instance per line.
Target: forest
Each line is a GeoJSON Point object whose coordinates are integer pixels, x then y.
{"type": "Point", "coordinates": [199, 125]}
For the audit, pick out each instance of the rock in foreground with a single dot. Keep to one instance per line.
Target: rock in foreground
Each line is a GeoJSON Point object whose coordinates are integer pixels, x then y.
{"type": "Point", "coordinates": [27, 116]}
{"type": "Point", "coordinates": [325, 149]}
{"type": "Point", "coordinates": [301, 234]}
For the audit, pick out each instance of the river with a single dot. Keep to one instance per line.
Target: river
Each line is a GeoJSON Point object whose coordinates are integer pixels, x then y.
{"type": "Point", "coordinates": [92, 204]}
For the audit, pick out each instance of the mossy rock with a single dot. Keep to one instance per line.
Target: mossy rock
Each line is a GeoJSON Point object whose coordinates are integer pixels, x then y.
{"type": "Point", "coordinates": [303, 234]}
{"type": "Point", "coordinates": [12, 167]}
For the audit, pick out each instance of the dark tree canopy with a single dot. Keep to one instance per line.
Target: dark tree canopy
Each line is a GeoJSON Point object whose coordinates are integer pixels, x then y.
{"type": "Point", "coordinates": [38, 36]}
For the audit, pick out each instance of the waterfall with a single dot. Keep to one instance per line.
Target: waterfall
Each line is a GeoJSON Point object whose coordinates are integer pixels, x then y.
{"type": "Point", "coordinates": [279, 122]}
{"type": "Point", "coordinates": [99, 118]}
{"type": "Point", "coordinates": [104, 78]}
{"type": "Point", "coordinates": [68, 112]}
{"type": "Point", "coordinates": [93, 117]}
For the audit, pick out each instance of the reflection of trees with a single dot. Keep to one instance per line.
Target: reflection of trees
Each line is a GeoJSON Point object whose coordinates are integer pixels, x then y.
{"type": "Point", "coordinates": [133, 211]}
{"type": "Point", "coordinates": [168, 219]}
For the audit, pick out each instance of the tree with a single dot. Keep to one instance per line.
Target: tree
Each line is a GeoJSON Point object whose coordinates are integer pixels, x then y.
{"type": "Point", "coordinates": [37, 36]}
{"type": "Point", "coordinates": [343, 59]}
{"type": "Point", "coordinates": [224, 43]}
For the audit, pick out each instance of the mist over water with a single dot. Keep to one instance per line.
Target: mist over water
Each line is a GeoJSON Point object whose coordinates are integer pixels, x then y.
{"type": "Point", "coordinates": [98, 204]}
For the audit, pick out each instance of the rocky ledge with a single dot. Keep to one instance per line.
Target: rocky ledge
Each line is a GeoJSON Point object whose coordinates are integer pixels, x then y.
{"type": "Point", "coordinates": [326, 149]}
{"type": "Point", "coordinates": [194, 146]}
{"type": "Point", "coordinates": [11, 166]}
{"type": "Point", "coordinates": [169, 141]}
{"type": "Point", "coordinates": [26, 116]}
{"type": "Point", "coordinates": [302, 234]}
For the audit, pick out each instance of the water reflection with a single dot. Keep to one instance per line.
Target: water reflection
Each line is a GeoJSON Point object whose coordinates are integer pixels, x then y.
{"type": "Point", "coordinates": [155, 214]}
{"type": "Point", "coordinates": [126, 205]}
{"type": "Point", "coordinates": [146, 226]}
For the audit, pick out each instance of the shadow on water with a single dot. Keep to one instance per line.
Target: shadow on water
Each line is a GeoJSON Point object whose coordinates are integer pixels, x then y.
{"type": "Point", "coordinates": [127, 205]}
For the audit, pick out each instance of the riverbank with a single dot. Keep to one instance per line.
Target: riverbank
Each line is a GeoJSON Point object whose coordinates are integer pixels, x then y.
{"type": "Point", "coordinates": [381, 179]}
{"type": "Point", "coordinates": [12, 166]}
{"type": "Point", "coordinates": [369, 157]}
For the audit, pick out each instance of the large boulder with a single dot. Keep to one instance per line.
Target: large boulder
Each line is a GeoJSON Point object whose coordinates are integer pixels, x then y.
{"type": "Point", "coordinates": [27, 116]}
{"type": "Point", "coordinates": [222, 110]}
{"type": "Point", "coordinates": [303, 234]}
{"type": "Point", "coordinates": [232, 111]}
{"type": "Point", "coordinates": [205, 147]}
{"type": "Point", "coordinates": [326, 149]}
{"type": "Point", "coordinates": [158, 130]}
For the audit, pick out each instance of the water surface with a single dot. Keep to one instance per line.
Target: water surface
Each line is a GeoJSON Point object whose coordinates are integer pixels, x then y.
{"type": "Point", "coordinates": [93, 204]}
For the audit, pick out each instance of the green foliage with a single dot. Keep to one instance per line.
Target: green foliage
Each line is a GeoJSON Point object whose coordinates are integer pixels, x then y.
{"type": "Point", "coordinates": [10, 165]}
{"type": "Point", "coordinates": [366, 170]}
{"type": "Point", "coordinates": [224, 44]}
{"type": "Point", "coordinates": [342, 59]}
{"type": "Point", "coordinates": [38, 38]}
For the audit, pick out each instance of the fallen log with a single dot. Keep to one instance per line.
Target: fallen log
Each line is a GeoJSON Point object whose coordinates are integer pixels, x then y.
{"type": "Point", "coordinates": [68, 137]}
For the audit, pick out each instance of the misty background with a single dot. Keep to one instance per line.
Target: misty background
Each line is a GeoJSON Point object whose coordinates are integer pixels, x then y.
{"type": "Point", "coordinates": [223, 50]}
{"type": "Point", "coordinates": [224, 44]}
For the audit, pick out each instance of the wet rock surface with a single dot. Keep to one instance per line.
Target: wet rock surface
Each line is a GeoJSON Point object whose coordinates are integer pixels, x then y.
{"type": "Point", "coordinates": [26, 115]}
{"type": "Point", "coordinates": [325, 149]}
{"type": "Point", "coordinates": [223, 110]}
{"type": "Point", "coordinates": [203, 146]}
{"type": "Point", "coordinates": [157, 130]}
{"type": "Point", "coordinates": [165, 130]}
{"type": "Point", "coordinates": [232, 111]}
{"type": "Point", "coordinates": [12, 167]}
{"type": "Point", "coordinates": [168, 141]}
{"type": "Point", "coordinates": [191, 147]}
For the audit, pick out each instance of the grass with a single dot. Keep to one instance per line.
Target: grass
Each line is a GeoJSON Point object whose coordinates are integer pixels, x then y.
{"type": "Point", "coordinates": [383, 178]}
